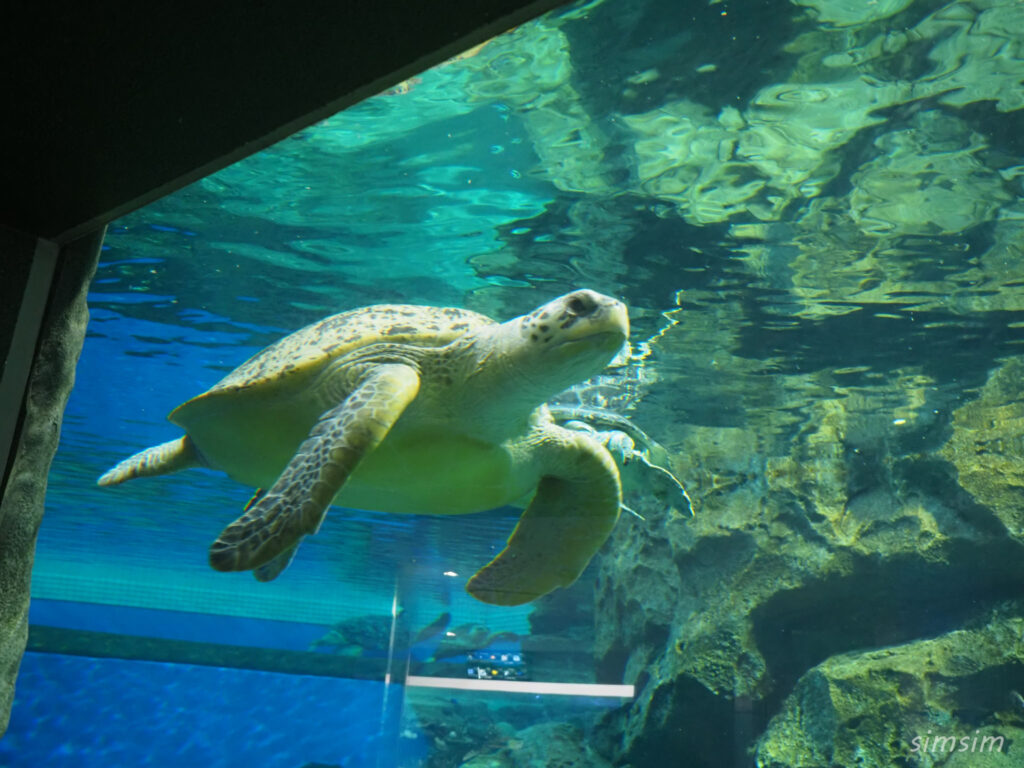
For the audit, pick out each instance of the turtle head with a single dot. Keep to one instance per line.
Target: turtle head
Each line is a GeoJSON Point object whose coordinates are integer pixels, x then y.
{"type": "Point", "coordinates": [565, 341]}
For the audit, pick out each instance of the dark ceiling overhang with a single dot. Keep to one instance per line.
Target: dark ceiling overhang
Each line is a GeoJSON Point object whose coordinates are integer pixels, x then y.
{"type": "Point", "coordinates": [111, 105]}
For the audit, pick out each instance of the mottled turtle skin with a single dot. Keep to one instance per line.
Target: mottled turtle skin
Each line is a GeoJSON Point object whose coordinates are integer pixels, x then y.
{"type": "Point", "coordinates": [412, 409]}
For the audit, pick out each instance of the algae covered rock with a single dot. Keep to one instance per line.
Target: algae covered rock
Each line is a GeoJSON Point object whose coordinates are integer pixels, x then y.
{"type": "Point", "coordinates": [956, 693]}
{"type": "Point", "coordinates": [986, 445]}
{"type": "Point", "coordinates": [811, 539]}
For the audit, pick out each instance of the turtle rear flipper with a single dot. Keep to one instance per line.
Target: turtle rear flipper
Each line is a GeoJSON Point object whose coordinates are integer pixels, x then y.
{"type": "Point", "coordinates": [274, 567]}
{"type": "Point", "coordinates": [172, 456]}
{"type": "Point", "coordinates": [296, 504]}
{"type": "Point", "coordinates": [568, 520]}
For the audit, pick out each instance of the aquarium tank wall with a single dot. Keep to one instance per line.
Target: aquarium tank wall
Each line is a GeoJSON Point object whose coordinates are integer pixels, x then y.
{"type": "Point", "coordinates": [778, 525]}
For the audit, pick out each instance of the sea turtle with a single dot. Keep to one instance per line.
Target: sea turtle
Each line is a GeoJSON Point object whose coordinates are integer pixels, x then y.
{"type": "Point", "coordinates": [399, 408]}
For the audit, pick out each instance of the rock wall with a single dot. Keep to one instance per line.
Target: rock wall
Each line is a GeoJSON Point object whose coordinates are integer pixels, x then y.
{"type": "Point", "coordinates": [816, 570]}
{"type": "Point", "coordinates": [952, 697]}
{"type": "Point", "coordinates": [21, 510]}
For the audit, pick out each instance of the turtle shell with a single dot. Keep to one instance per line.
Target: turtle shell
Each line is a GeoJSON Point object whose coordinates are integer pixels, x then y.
{"type": "Point", "coordinates": [250, 422]}
{"type": "Point", "coordinates": [307, 350]}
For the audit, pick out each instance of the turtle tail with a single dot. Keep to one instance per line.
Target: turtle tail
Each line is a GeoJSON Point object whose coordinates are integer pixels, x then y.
{"type": "Point", "coordinates": [162, 459]}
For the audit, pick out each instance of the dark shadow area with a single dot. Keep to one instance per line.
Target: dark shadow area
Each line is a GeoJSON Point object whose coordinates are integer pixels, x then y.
{"type": "Point", "coordinates": [111, 107]}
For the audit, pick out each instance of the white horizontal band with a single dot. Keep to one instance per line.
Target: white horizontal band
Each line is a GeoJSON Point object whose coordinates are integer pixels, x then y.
{"type": "Point", "coordinates": [522, 686]}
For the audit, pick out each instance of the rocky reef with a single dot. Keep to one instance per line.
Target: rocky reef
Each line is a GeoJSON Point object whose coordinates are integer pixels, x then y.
{"type": "Point", "coordinates": [953, 697]}
{"type": "Point", "coordinates": [839, 577]}
{"type": "Point", "coordinates": [985, 447]}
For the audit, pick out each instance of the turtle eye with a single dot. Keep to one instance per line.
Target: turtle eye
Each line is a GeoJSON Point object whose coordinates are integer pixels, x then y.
{"type": "Point", "coordinates": [580, 306]}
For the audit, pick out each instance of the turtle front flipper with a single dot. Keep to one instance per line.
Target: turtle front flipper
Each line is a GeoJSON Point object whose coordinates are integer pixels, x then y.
{"type": "Point", "coordinates": [295, 505]}
{"type": "Point", "coordinates": [571, 515]}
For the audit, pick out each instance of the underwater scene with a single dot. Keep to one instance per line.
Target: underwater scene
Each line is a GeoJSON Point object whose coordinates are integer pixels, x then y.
{"type": "Point", "coordinates": [794, 501]}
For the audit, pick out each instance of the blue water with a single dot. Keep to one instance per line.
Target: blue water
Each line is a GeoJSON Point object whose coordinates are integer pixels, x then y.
{"type": "Point", "coordinates": [174, 625]}
{"type": "Point", "coordinates": [813, 211]}
{"type": "Point", "coordinates": [82, 712]}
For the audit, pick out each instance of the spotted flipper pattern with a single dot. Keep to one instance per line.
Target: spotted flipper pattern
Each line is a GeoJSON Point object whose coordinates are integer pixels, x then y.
{"type": "Point", "coordinates": [296, 504]}
{"type": "Point", "coordinates": [172, 456]}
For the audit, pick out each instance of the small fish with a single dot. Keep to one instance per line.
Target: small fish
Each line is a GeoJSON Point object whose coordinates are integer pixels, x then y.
{"type": "Point", "coordinates": [435, 628]}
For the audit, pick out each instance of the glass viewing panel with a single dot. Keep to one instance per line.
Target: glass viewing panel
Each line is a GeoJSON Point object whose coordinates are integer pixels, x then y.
{"type": "Point", "coordinates": [813, 212]}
